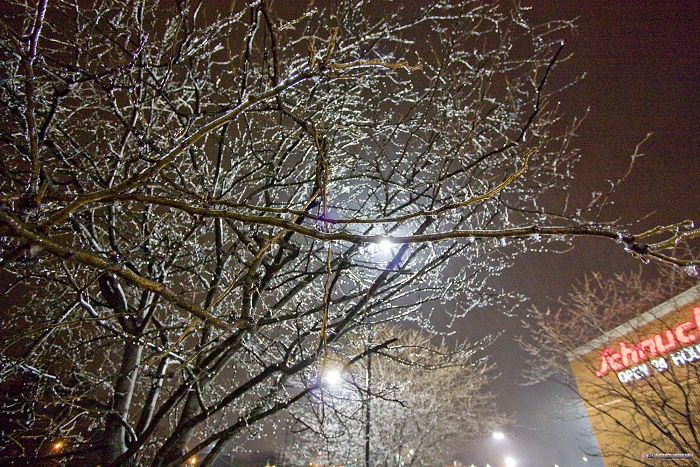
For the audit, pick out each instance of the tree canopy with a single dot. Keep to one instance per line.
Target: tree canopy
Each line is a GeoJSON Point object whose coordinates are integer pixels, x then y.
{"type": "Point", "coordinates": [199, 200]}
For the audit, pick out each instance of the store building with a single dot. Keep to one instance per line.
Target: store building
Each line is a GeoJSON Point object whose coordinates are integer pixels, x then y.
{"type": "Point", "coordinates": [639, 383]}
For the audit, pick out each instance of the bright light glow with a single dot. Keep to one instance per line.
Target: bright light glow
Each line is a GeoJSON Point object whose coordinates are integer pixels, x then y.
{"type": "Point", "coordinates": [498, 435]}
{"type": "Point", "coordinates": [332, 376]}
{"type": "Point", "coordinates": [193, 460]}
{"type": "Point", "coordinates": [509, 461]}
{"type": "Point", "coordinates": [585, 459]}
{"type": "Point", "coordinates": [411, 451]}
{"type": "Point", "coordinates": [58, 445]}
{"type": "Point", "coordinates": [385, 246]}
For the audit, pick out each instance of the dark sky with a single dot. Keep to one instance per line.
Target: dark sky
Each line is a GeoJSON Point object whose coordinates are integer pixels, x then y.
{"type": "Point", "coordinates": [642, 64]}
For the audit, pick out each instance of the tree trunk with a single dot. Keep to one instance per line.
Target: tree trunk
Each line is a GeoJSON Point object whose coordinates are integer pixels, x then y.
{"type": "Point", "coordinates": [115, 436]}
{"type": "Point", "coordinates": [176, 445]}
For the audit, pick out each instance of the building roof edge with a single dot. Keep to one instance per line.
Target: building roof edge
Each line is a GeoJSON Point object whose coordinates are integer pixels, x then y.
{"type": "Point", "coordinates": [659, 311]}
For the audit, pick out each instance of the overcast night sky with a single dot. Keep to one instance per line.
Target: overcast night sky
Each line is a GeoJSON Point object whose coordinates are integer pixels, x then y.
{"type": "Point", "coordinates": [642, 65]}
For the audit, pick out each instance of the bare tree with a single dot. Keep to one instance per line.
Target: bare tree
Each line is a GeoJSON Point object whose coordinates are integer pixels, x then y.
{"type": "Point", "coordinates": [424, 399]}
{"type": "Point", "coordinates": [640, 412]}
{"type": "Point", "coordinates": [199, 200]}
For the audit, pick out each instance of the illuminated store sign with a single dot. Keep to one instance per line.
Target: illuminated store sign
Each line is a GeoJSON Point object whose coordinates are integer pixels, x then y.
{"type": "Point", "coordinates": [662, 343]}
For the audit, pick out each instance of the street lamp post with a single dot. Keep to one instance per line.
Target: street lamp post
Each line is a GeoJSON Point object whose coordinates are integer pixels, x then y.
{"type": "Point", "coordinates": [368, 385]}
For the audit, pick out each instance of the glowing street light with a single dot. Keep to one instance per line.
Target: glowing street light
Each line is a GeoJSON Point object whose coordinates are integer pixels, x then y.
{"type": "Point", "coordinates": [385, 246]}
{"type": "Point", "coordinates": [509, 461]}
{"type": "Point", "coordinates": [332, 376]}
{"type": "Point", "coordinates": [498, 435]}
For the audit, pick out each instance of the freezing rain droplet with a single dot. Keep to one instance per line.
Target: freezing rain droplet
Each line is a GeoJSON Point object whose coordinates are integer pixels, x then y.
{"type": "Point", "coordinates": [691, 270]}
{"type": "Point", "coordinates": [536, 237]}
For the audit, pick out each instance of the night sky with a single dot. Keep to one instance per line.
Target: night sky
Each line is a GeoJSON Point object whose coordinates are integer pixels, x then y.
{"type": "Point", "coordinates": [642, 65]}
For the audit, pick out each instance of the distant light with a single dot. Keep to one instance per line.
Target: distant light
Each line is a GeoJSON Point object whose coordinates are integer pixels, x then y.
{"type": "Point", "coordinates": [510, 462]}
{"type": "Point", "coordinates": [58, 445]}
{"type": "Point", "coordinates": [585, 459]}
{"type": "Point", "coordinates": [385, 246]}
{"type": "Point", "coordinates": [498, 435]}
{"type": "Point", "coordinates": [332, 377]}
{"type": "Point", "coordinates": [411, 451]}
{"type": "Point", "coordinates": [193, 460]}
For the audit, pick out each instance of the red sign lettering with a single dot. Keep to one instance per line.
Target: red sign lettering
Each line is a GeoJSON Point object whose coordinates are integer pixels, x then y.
{"type": "Point", "coordinates": [651, 347]}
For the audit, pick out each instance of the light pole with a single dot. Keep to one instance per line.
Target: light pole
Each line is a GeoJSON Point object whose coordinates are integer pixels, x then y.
{"type": "Point", "coordinates": [368, 385]}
